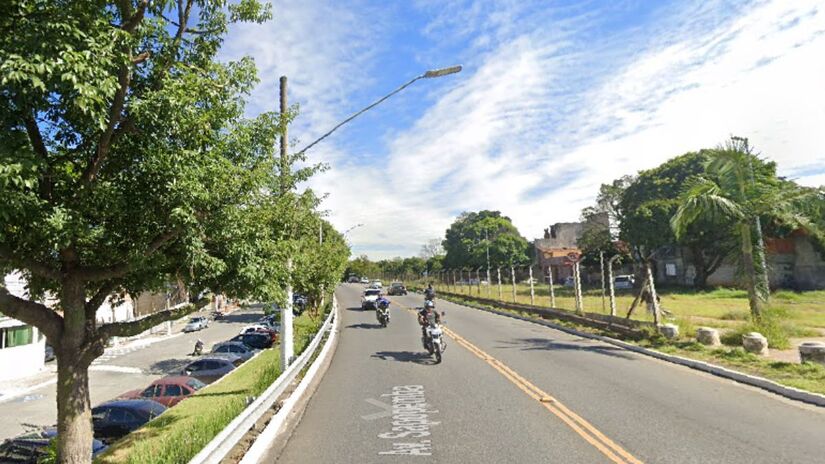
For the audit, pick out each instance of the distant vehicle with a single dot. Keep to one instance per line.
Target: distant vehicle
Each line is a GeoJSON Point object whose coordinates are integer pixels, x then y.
{"type": "Point", "coordinates": [370, 297]}
{"type": "Point", "coordinates": [48, 353]}
{"type": "Point", "coordinates": [196, 323]}
{"type": "Point", "coordinates": [265, 330]}
{"type": "Point", "coordinates": [167, 391]}
{"type": "Point", "coordinates": [234, 347]}
{"type": "Point", "coordinates": [32, 447]}
{"type": "Point", "coordinates": [211, 368]}
{"type": "Point", "coordinates": [299, 304]}
{"type": "Point", "coordinates": [623, 282]}
{"type": "Point", "coordinates": [114, 419]}
{"type": "Point", "coordinates": [376, 284]}
{"type": "Point", "coordinates": [271, 322]}
{"type": "Point", "coordinates": [353, 279]}
{"type": "Point", "coordinates": [397, 288]}
{"type": "Point", "coordinates": [570, 282]}
{"type": "Point", "coordinates": [364, 280]}
{"type": "Point", "coordinates": [533, 281]}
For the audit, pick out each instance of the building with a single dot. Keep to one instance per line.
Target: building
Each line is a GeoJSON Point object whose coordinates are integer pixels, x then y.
{"type": "Point", "coordinates": [22, 347]}
{"type": "Point", "coordinates": [551, 251]}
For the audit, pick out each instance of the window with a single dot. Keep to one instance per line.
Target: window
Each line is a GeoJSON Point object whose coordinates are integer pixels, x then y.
{"type": "Point", "coordinates": [173, 390]}
{"type": "Point", "coordinates": [121, 415]}
{"type": "Point", "coordinates": [99, 413]}
{"type": "Point", "coordinates": [196, 366]}
{"type": "Point", "coordinates": [151, 391]}
{"type": "Point", "coordinates": [670, 269]}
{"type": "Point", "coordinates": [17, 336]}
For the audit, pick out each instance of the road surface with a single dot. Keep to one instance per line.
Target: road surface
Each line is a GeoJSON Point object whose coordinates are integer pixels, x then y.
{"type": "Point", "coordinates": [513, 391]}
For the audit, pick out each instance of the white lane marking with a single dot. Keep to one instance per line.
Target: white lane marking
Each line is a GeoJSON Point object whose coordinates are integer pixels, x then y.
{"type": "Point", "coordinates": [387, 410]}
{"type": "Point", "coordinates": [120, 369]}
{"type": "Point", "coordinates": [8, 396]}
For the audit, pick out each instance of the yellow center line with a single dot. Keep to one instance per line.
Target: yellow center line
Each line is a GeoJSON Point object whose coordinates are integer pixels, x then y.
{"type": "Point", "coordinates": [587, 431]}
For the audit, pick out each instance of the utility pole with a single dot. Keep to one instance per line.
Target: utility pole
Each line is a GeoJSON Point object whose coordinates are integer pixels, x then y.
{"type": "Point", "coordinates": [759, 240]}
{"type": "Point", "coordinates": [552, 291]}
{"type": "Point", "coordinates": [287, 349]}
{"type": "Point", "coordinates": [498, 270]}
{"type": "Point", "coordinates": [487, 243]}
{"type": "Point", "coordinates": [601, 264]}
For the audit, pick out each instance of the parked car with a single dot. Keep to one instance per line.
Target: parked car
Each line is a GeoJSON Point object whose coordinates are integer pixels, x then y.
{"type": "Point", "coordinates": [32, 447]}
{"type": "Point", "coordinates": [235, 347]}
{"type": "Point", "coordinates": [196, 323]}
{"type": "Point", "coordinates": [114, 419]}
{"type": "Point", "coordinates": [570, 282]}
{"type": "Point", "coordinates": [254, 340]}
{"type": "Point", "coordinates": [364, 280]}
{"type": "Point", "coordinates": [212, 367]}
{"type": "Point", "coordinates": [48, 353]}
{"type": "Point", "coordinates": [167, 391]}
{"type": "Point", "coordinates": [369, 298]}
{"type": "Point", "coordinates": [397, 288]}
{"type": "Point", "coordinates": [623, 282]}
{"type": "Point", "coordinates": [272, 334]}
{"type": "Point", "coordinates": [299, 304]}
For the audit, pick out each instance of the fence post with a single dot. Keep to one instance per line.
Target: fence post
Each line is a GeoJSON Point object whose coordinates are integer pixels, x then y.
{"type": "Point", "coordinates": [499, 284]}
{"type": "Point", "coordinates": [532, 291]}
{"type": "Point", "coordinates": [577, 287]}
{"type": "Point", "coordinates": [654, 299]}
{"type": "Point", "coordinates": [478, 281]}
{"type": "Point", "coordinates": [489, 283]}
{"type": "Point", "coordinates": [601, 264]}
{"type": "Point", "coordinates": [513, 280]}
{"type": "Point", "coordinates": [610, 283]}
{"type": "Point", "coordinates": [552, 291]}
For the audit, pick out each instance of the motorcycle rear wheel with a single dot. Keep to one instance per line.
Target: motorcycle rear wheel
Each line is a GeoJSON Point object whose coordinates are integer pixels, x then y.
{"type": "Point", "coordinates": [437, 351]}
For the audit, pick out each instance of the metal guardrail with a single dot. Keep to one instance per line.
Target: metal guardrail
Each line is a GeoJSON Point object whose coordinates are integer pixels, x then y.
{"type": "Point", "coordinates": [222, 444]}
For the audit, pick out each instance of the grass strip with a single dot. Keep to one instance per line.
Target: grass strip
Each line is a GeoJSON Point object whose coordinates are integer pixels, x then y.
{"type": "Point", "coordinates": [184, 430]}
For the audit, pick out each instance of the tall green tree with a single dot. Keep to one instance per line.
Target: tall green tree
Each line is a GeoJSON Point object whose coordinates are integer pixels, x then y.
{"type": "Point", "coordinates": [125, 161]}
{"type": "Point", "coordinates": [652, 198]}
{"type": "Point", "coordinates": [734, 191]}
{"type": "Point", "coordinates": [470, 236]}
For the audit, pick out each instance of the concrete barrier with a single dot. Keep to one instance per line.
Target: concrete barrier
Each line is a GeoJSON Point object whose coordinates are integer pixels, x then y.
{"type": "Point", "coordinates": [708, 336]}
{"type": "Point", "coordinates": [755, 343]}
{"type": "Point", "coordinates": [670, 331]}
{"type": "Point", "coordinates": [812, 352]}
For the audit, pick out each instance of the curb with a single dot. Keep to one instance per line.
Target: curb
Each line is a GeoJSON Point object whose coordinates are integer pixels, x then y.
{"type": "Point", "coordinates": [272, 440]}
{"type": "Point", "coordinates": [719, 371]}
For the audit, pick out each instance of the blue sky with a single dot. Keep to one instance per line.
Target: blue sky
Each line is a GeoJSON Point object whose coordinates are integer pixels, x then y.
{"type": "Point", "coordinates": [556, 97]}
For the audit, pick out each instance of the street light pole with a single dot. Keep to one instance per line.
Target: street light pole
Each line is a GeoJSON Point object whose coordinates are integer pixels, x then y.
{"type": "Point", "coordinates": [287, 350]}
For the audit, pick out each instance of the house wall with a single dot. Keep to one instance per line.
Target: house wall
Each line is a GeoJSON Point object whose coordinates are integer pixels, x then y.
{"type": "Point", "coordinates": [23, 360]}
{"type": "Point", "coordinates": [809, 270]}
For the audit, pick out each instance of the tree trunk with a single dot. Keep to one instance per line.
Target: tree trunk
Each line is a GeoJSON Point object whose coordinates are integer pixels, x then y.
{"type": "Point", "coordinates": [74, 415]}
{"type": "Point", "coordinates": [750, 273]}
{"type": "Point", "coordinates": [700, 279]}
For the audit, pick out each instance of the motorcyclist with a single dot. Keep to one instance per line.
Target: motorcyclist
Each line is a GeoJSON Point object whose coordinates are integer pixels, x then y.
{"type": "Point", "coordinates": [198, 348]}
{"type": "Point", "coordinates": [424, 316]}
{"type": "Point", "coordinates": [383, 303]}
{"type": "Point", "coordinates": [429, 293]}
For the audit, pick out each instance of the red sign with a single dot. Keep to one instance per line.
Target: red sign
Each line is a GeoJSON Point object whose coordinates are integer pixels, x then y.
{"type": "Point", "coordinates": [573, 257]}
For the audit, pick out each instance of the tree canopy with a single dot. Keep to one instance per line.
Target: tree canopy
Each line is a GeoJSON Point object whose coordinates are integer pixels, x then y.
{"type": "Point", "coordinates": [468, 238]}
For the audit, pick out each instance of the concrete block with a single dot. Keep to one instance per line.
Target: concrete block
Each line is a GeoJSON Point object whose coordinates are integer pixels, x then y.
{"type": "Point", "coordinates": [708, 336]}
{"type": "Point", "coordinates": [670, 331]}
{"type": "Point", "coordinates": [812, 352]}
{"type": "Point", "coordinates": [755, 343]}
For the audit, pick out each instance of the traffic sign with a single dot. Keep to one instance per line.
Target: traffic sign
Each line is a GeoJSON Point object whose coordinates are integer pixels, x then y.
{"type": "Point", "coordinates": [573, 257]}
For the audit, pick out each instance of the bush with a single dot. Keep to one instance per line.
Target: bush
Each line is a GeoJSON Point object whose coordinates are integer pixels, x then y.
{"type": "Point", "coordinates": [770, 327]}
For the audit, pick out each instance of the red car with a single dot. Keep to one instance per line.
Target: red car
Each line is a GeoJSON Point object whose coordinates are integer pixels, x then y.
{"type": "Point", "coordinates": [167, 391]}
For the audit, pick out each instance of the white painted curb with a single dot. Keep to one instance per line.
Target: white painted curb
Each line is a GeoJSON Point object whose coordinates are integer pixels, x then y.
{"type": "Point", "coordinates": [257, 451]}
{"type": "Point", "coordinates": [752, 380]}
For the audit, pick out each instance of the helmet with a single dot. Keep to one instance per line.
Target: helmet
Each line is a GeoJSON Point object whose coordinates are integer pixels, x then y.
{"type": "Point", "coordinates": [429, 304]}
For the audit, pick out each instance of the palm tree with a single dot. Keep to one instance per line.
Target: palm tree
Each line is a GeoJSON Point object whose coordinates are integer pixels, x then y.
{"type": "Point", "coordinates": [730, 190]}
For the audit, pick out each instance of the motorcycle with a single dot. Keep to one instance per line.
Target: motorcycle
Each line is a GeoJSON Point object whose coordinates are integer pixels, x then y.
{"type": "Point", "coordinates": [434, 341]}
{"type": "Point", "coordinates": [382, 313]}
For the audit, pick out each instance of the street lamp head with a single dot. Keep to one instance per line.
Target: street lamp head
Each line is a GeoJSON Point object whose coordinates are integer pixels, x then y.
{"type": "Point", "coordinates": [442, 72]}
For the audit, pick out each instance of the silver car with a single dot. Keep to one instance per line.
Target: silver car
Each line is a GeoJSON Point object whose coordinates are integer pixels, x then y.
{"type": "Point", "coordinates": [196, 323]}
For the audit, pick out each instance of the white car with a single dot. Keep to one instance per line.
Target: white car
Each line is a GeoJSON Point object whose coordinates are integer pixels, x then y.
{"type": "Point", "coordinates": [364, 280]}
{"type": "Point", "coordinates": [623, 282]}
{"type": "Point", "coordinates": [254, 327]}
{"type": "Point", "coordinates": [570, 282]}
{"type": "Point", "coordinates": [376, 284]}
{"type": "Point", "coordinates": [370, 297]}
{"type": "Point", "coordinates": [196, 323]}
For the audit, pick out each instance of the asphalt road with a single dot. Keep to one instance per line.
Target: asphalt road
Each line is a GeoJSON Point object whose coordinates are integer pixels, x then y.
{"type": "Point", "coordinates": [118, 373]}
{"type": "Point", "coordinates": [512, 391]}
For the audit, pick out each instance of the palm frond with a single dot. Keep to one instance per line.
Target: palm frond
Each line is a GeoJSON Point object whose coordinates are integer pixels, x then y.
{"type": "Point", "coordinates": [703, 197]}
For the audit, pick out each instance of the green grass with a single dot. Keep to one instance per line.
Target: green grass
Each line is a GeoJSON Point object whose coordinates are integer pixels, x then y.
{"type": "Point", "coordinates": [181, 432]}
{"type": "Point", "coordinates": [802, 314]}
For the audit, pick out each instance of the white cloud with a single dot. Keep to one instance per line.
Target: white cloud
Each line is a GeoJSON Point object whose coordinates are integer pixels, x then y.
{"type": "Point", "coordinates": [547, 110]}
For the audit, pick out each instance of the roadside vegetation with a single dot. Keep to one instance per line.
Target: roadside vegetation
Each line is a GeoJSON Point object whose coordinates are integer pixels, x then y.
{"type": "Point", "coordinates": [182, 431]}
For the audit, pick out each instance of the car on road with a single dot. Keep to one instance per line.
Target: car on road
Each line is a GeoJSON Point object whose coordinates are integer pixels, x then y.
{"type": "Point", "coordinates": [167, 391]}
{"type": "Point", "coordinates": [397, 288]}
{"type": "Point", "coordinates": [353, 279]}
{"type": "Point", "coordinates": [114, 419]}
{"type": "Point", "coordinates": [235, 347]}
{"type": "Point", "coordinates": [623, 282]}
{"type": "Point", "coordinates": [212, 367]}
{"type": "Point", "coordinates": [569, 282]}
{"type": "Point", "coordinates": [376, 284]}
{"type": "Point", "coordinates": [32, 447]}
{"type": "Point", "coordinates": [364, 280]}
{"type": "Point", "coordinates": [48, 353]}
{"type": "Point", "coordinates": [369, 298]}
{"type": "Point", "coordinates": [196, 323]}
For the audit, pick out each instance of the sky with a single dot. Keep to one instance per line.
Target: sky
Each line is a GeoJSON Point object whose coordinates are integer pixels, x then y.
{"type": "Point", "coordinates": [554, 99]}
